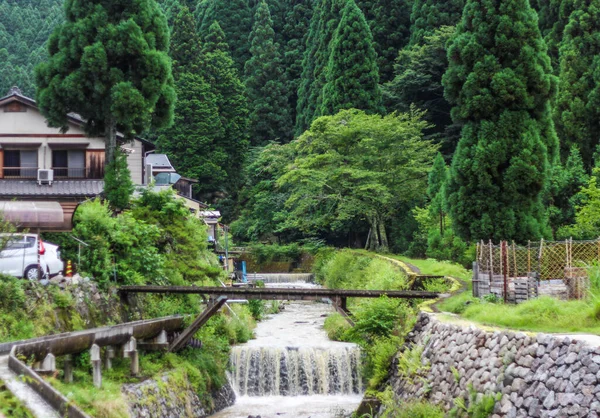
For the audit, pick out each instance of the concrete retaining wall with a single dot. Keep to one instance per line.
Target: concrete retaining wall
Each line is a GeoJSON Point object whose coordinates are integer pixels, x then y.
{"type": "Point", "coordinates": [535, 376]}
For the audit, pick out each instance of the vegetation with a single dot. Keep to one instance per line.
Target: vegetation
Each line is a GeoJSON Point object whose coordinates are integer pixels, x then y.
{"type": "Point", "coordinates": [87, 73]}
{"type": "Point", "coordinates": [11, 406]}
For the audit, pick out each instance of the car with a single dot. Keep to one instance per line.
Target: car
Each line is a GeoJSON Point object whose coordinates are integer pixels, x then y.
{"type": "Point", "coordinates": [21, 254]}
{"type": "Point", "coordinates": [52, 259]}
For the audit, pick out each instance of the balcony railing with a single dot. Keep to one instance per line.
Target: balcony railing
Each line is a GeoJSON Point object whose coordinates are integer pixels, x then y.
{"type": "Point", "coordinates": [60, 173]}
{"type": "Point", "coordinates": [78, 173]}
{"type": "Point", "coordinates": [19, 172]}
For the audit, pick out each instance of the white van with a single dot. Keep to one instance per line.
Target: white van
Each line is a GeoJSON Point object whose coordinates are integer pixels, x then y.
{"type": "Point", "coordinates": [20, 256]}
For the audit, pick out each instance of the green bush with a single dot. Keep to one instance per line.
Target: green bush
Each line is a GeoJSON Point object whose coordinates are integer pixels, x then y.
{"type": "Point", "coordinates": [12, 294]}
{"type": "Point", "coordinates": [380, 317]}
{"type": "Point", "coordinates": [336, 327]}
{"type": "Point", "coordinates": [379, 357]}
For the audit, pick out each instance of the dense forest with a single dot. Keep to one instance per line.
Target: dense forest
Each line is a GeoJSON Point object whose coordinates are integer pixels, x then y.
{"type": "Point", "coordinates": [419, 126]}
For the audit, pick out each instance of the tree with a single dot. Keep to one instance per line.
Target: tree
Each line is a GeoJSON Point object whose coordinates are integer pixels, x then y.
{"type": "Point", "coordinates": [220, 73]}
{"type": "Point", "coordinates": [354, 167]}
{"type": "Point", "coordinates": [587, 215]}
{"type": "Point", "coordinates": [500, 82]}
{"type": "Point", "coordinates": [185, 44]}
{"type": "Point", "coordinates": [419, 70]}
{"type": "Point", "coordinates": [554, 16]}
{"type": "Point", "coordinates": [235, 19]}
{"type": "Point", "coordinates": [577, 115]}
{"type": "Point", "coordinates": [323, 24]}
{"type": "Point", "coordinates": [389, 21]}
{"type": "Point", "coordinates": [438, 176]}
{"type": "Point", "coordinates": [118, 186]}
{"type": "Point", "coordinates": [566, 181]}
{"type": "Point", "coordinates": [352, 73]}
{"type": "Point", "coordinates": [265, 83]}
{"type": "Point", "coordinates": [108, 62]}
{"type": "Point", "coordinates": [429, 15]}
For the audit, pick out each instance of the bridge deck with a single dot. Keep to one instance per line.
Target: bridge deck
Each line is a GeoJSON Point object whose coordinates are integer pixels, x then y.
{"type": "Point", "coordinates": [281, 294]}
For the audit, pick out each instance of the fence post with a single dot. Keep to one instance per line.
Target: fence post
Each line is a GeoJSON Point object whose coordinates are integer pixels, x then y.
{"type": "Point", "coordinates": [491, 265]}
{"type": "Point", "coordinates": [504, 265]}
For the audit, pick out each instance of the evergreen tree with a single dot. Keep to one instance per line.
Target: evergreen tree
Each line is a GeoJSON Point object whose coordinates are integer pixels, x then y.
{"type": "Point", "coordinates": [438, 176]}
{"type": "Point", "coordinates": [235, 19]}
{"type": "Point", "coordinates": [577, 115]}
{"type": "Point", "coordinates": [323, 24]}
{"type": "Point", "coordinates": [555, 15]}
{"type": "Point", "coordinates": [419, 70]}
{"type": "Point", "coordinates": [266, 84]}
{"type": "Point", "coordinates": [221, 74]}
{"type": "Point", "coordinates": [185, 44]}
{"type": "Point", "coordinates": [352, 73]}
{"type": "Point", "coordinates": [193, 142]}
{"type": "Point", "coordinates": [128, 88]}
{"type": "Point", "coordinates": [389, 21]}
{"type": "Point", "coordinates": [429, 15]}
{"type": "Point", "coordinates": [294, 33]}
{"type": "Point", "coordinates": [118, 186]}
{"type": "Point", "coordinates": [500, 82]}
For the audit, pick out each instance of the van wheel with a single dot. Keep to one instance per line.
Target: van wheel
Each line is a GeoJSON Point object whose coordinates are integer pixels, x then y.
{"type": "Point", "coordinates": [31, 273]}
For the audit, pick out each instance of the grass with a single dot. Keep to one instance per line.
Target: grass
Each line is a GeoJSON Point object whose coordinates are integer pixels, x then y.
{"type": "Point", "coordinates": [11, 406]}
{"type": "Point", "coordinates": [434, 267]}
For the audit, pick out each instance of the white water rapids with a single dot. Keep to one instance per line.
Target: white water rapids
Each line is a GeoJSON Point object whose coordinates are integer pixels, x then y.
{"type": "Point", "coordinates": [293, 370]}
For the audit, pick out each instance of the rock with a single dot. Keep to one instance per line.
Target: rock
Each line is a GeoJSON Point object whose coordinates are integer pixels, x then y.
{"type": "Point", "coordinates": [549, 401]}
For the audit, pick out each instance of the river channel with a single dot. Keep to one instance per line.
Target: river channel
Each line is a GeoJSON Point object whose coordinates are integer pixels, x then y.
{"type": "Point", "coordinates": [292, 369]}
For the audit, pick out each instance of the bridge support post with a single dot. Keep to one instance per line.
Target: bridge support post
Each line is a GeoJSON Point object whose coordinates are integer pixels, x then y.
{"type": "Point", "coordinates": [131, 352]}
{"type": "Point", "coordinates": [49, 364]}
{"type": "Point", "coordinates": [340, 304]}
{"type": "Point", "coordinates": [187, 334]}
{"type": "Point", "coordinates": [68, 369]}
{"type": "Point", "coordinates": [108, 356]}
{"type": "Point", "coordinates": [96, 365]}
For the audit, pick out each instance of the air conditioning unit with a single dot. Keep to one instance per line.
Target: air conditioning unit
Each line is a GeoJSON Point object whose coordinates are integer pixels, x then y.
{"type": "Point", "coordinates": [45, 176]}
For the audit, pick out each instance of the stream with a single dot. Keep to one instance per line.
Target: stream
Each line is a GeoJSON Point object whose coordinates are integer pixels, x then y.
{"type": "Point", "coordinates": [292, 369]}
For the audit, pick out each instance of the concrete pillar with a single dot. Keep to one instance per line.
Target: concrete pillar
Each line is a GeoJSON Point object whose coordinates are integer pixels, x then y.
{"type": "Point", "coordinates": [133, 357]}
{"type": "Point", "coordinates": [109, 355]}
{"type": "Point", "coordinates": [68, 364]}
{"type": "Point", "coordinates": [162, 338]}
{"type": "Point", "coordinates": [49, 363]}
{"type": "Point", "coordinates": [96, 365]}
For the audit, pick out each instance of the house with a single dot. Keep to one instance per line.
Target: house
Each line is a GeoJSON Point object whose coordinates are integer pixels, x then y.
{"type": "Point", "coordinates": [45, 174]}
{"type": "Point", "coordinates": [70, 165]}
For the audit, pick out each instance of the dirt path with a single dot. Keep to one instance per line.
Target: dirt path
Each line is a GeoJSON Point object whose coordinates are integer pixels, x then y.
{"type": "Point", "coordinates": [38, 407]}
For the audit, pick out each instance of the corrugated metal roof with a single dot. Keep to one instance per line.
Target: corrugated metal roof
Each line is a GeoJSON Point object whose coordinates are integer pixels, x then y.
{"type": "Point", "coordinates": [85, 188]}
{"type": "Point", "coordinates": [159, 160]}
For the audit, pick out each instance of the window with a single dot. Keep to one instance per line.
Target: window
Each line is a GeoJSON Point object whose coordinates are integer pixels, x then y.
{"type": "Point", "coordinates": [20, 163]}
{"type": "Point", "coordinates": [68, 163]}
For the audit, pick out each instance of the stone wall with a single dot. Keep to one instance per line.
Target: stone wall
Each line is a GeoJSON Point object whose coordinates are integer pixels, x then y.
{"type": "Point", "coordinates": [172, 397]}
{"type": "Point", "coordinates": [534, 376]}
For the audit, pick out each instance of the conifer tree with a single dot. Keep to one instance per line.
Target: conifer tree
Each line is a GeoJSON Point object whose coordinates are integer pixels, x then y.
{"type": "Point", "coordinates": [429, 15]}
{"type": "Point", "coordinates": [323, 24]}
{"type": "Point", "coordinates": [500, 82]}
{"type": "Point", "coordinates": [235, 19]}
{"type": "Point", "coordinates": [352, 73]}
{"type": "Point", "coordinates": [389, 21]}
{"type": "Point", "coordinates": [436, 185]}
{"type": "Point", "coordinates": [577, 115]}
{"type": "Point", "coordinates": [118, 186]}
{"type": "Point", "coordinates": [555, 16]}
{"type": "Point", "coordinates": [220, 72]}
{"type": "Point", "coordinates": [294, 33]}
{"type": "Point", "coordinates": [185, 43]}
{"type": "Point", "coordinates": [129, 89]}
{"type": "Point", "coordinates": [266, 84]}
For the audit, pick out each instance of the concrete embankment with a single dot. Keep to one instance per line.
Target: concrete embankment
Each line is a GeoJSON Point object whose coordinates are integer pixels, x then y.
{"type": "Point", "coordinates": [532, 375]}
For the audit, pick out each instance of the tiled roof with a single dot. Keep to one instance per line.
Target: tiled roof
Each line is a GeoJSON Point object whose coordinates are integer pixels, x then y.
{"type": "Point", "coordinates": [80, 188]}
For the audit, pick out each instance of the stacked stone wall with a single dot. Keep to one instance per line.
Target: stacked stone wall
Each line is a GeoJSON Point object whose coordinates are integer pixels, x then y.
{"type": "Point", "coordinates": [532, 375]}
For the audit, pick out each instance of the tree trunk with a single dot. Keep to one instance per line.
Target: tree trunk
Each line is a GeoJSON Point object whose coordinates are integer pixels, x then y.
{"type": "Point", "coordinates": [383, 241]}
{"type": "Point", "coordinates": [110, 139]}
{"type": "Point", "coordinates": [373, 243]}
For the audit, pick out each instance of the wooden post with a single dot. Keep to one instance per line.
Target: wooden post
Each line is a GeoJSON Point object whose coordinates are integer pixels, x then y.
{"type": "Point", "coordinates": [491, 265]}
{"type": "Point", "coordinates": [503, 264]}
{"type": "Point", "coordinates": [96, 365]}
{"type": "Point", "coordinates": [528, 257]}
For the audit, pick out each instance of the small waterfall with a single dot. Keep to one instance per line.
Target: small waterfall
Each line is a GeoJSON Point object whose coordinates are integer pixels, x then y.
{"type": "Point", "coordinates": [281, 278]}
{"type": "Point", "coordinates": [292, 371]}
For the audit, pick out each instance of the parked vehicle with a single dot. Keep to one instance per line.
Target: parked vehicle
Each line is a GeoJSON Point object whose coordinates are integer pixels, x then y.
{"type": "Point", "coordinates": [20, 255]}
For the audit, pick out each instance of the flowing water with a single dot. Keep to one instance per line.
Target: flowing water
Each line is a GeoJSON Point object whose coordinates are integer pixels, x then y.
{"type": "Point", "coordinates": [293, 370]}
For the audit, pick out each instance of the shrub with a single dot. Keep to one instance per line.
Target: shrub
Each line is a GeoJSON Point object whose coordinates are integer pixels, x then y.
{"type": "Point", "coordinates": [379, 318]}
{"type": "Point", "coordinates": [336, 327]}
